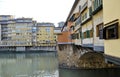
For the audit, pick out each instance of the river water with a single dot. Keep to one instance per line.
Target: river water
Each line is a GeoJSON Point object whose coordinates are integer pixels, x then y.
{"type": "Point", "coordinates": [44, 65]}
{"type": "Point", "coordinates": [28, 65]}
{"type": "Point", "coordinates": [106, 72]}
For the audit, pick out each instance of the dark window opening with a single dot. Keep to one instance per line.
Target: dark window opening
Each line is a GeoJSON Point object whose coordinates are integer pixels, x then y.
{"type": "Point", "coordinates": [111, 32]}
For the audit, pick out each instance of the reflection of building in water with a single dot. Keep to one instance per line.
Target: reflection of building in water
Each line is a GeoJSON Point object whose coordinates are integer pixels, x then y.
{"type": "Point", "coordinates": [28, 65]}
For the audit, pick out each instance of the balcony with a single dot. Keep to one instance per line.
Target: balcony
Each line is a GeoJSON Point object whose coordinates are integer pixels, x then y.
{"type": "Point", "coordinates": [77, 23]}
{"type": "Point", "coordinates": [74, 16]}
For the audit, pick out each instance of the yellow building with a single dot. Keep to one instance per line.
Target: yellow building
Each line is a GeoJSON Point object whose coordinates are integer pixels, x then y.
{"type": "Point", "coordinates": [22, 32]}
{"type": "Point", "coordinates": [45, 34]}
{"type": "Point", "coordinates": [97, 7]}
{"type": "Point", "coordinates": [73, 24]}
{"type": "Point", "coordinates": [111, 33]}
{"type": "Point", "coordinates": [86, 23]}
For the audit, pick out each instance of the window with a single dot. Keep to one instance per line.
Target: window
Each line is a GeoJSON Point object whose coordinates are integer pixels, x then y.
{"type": "Point", "coordinates": [90, 11]}
{"type": "Point", "coordinates": [79, 8]}
{"type": "Point", "coordinates": [112, 31]}
{"type": "Point", "coordinates": [84, 16]}
{"type": "Point", "coordinates": [80, 34]}
{"type": "Point", "coordinates": [88, 33]}
{"type": "Point", "coordinates": [98, 29]}
{"type": "Point", "coordinates": [97, 3]}
{"type": "Point", "coordinates": [73, 36]}
{"type": "Point", "coordinates": [77, 35]}
{"type": "Point", "coordinates": [77, 21]}
{"type": "Point", "coordinates": [17, 33]}
{"type": "Point", "coordinates": [84, 35]}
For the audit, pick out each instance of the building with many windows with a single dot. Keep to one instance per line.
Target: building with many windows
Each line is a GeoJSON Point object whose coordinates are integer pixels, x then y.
{"type": "Point", "coordinates": [22, 34]}
{"type": "Point", "coordinates": [86, 18]}
{"type": "Point", "coordinates": [16, 33]}
{"type": "Point", "coordinates": [95, 24]}
{"type": "Point", "coordinates": [61, 24]}
{"type": "Point", "coordinates": [45, 35]}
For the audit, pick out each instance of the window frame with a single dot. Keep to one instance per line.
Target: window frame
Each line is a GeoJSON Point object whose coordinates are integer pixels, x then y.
{"type": "Point", "coordinates": [112, 26]}
{"type": "Point", "coordinates": [99, 27]}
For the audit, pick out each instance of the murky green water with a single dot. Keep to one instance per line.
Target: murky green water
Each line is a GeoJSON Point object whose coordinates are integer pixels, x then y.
{"type": "Point", "coordinates": [111, 72]}
{"type": "Point", "coordinates": [28, 65]}
{"type": "Point", "coordinates": [44, 65]}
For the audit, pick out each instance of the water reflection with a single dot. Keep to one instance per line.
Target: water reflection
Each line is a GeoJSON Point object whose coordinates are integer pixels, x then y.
{"type": "Point", "coordinates": [28, 65]}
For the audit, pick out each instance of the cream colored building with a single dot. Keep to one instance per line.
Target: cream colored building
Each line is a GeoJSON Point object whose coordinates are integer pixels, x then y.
{"type": "Point", "coordinates": [97, 6]}
{"type": "Point", "coordinates": [111, 31]}
{"type": "Point", "coordinates": [23, 34]}
{"type": "Point", "coordinates": [16, 34]}
{"type": "Point", "coordinates": [86, 23]}
{"type": "Point", "coordinates": [86, 17]}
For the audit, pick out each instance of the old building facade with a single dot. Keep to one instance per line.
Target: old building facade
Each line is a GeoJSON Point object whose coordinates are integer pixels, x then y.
{"type": "Point", "coordinates": [23, 34]}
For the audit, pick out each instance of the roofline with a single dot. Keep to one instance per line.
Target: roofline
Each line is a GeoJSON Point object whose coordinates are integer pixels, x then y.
{"type": "Point", "coordinates": [71, 11]}
{"type": "Point", "coordinates": [73, 8]}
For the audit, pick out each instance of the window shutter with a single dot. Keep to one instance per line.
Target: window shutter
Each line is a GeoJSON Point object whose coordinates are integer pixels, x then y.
{"type": "Point", "coordinates": [116, 30]}
{"type": "Point", "coordinates": [77, 35]}
{"type": "Point", "coordinates": [101, 34]}
{"type": "Point", "coordinates": [88, 33]}
{"type": "Point", "coordinates": [90, 11]}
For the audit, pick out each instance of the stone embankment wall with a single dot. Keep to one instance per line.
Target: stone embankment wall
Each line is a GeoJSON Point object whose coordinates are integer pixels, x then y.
{"type": "Point", "coordinates": [71, 56]}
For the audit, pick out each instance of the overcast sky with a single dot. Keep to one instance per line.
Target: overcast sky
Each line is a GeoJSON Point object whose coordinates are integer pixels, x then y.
{"type": "Point", "coordinates": [41, 10]}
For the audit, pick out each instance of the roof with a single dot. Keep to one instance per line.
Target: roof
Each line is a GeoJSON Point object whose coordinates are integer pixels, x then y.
{"type": "Point", "coordinates": [71, 11]}
{"type": "Point", "coordinates": [57, 28]}
{"type": "Point", "coordinates": [5, 15]}
{"type": "Point", "coordinates": [45, 24]}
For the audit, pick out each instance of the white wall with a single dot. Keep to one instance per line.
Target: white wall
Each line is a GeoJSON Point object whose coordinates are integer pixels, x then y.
{"type": "Point", "coordinates": [97, 19]}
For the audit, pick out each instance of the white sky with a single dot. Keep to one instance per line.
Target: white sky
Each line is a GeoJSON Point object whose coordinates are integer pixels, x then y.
{"type": "Point", "coordinates": [41, 10]}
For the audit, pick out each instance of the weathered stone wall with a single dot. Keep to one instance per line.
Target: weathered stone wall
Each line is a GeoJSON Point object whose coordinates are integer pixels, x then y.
{"type": "Point", "coordinates": [80, 57]}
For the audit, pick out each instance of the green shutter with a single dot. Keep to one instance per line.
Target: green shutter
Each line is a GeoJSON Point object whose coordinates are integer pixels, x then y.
{"type": "Point", "coordinates": [94, 4]}
{"type": "Point", "coordinates": [88, 33]}
{"type": "Point", "coordinates": [100, 2]}
{"type": "Point", "coordinates": [90, 11]}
